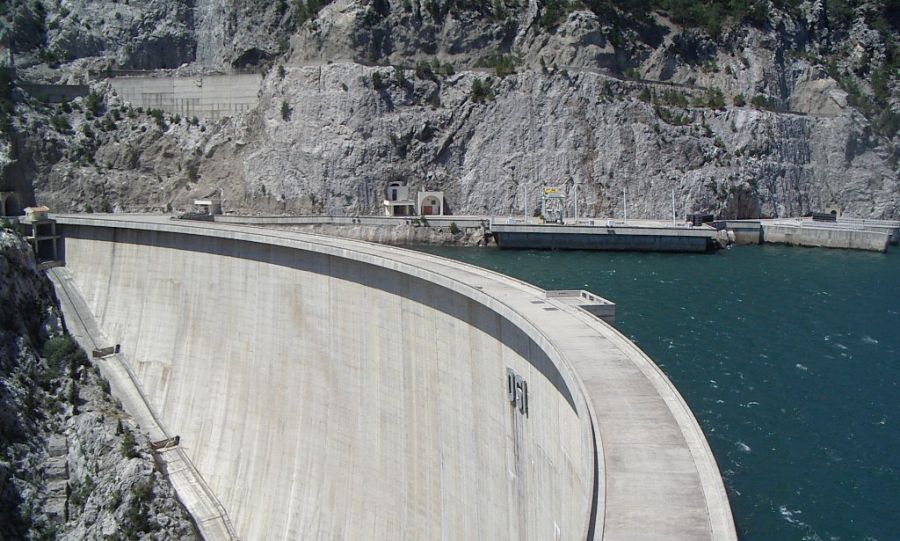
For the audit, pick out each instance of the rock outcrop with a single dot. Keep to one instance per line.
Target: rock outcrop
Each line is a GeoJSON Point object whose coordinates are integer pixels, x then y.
{"type": "Point", "coordinates": [72, 463]}
{"type": "Point", "coordinates": [770, 112]}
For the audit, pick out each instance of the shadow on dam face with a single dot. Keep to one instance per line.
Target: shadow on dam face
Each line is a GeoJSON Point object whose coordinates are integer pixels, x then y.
{"type": "Point", "coordinates": [371, 276]}
{"type": "Point", "coordinates": [326, 396]}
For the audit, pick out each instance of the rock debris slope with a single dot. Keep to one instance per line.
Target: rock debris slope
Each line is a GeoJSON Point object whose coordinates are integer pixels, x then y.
{"type": "Point", "coordinates": [72, 464]}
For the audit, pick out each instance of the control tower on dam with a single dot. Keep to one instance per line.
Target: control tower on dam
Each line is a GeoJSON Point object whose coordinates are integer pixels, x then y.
{"type": "Point", "coordinates": [325, 388]}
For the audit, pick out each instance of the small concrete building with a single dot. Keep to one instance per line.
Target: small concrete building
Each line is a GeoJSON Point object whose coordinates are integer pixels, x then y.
{"type": "Point", "coordinates": [430, 203]}
{"type": "Point", "coordinates": [397, 201]}
{"type": "Point", "coordinates": [36, 214]}
{"type": "Point", "coordinates": [211, 204]}
{"type": "Point", "coordinates": [553, 205]}
{"type": "Point", "coordinates": [40, 231]}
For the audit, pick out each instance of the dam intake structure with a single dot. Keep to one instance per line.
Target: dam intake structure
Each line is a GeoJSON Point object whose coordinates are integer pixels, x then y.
{"type": "Point", "coordinates": [329, 388]}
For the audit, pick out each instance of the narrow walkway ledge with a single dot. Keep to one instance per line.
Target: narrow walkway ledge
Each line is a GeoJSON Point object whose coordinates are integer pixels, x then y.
{"type": "Point", "coordinates": [328, 388]}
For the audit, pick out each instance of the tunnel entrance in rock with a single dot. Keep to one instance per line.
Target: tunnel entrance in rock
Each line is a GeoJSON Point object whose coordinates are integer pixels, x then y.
{"type": "Point", "coordinates": [10, 204]}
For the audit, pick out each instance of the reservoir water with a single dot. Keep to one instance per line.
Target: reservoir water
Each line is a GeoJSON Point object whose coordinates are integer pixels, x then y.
{"type": "Point", "coordinates": [789, 358]}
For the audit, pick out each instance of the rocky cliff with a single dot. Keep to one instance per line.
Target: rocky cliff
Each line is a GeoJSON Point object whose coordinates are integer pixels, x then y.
{"type": "Point", "coordinates": [762, 109]}
{"type": "Point", "coordinates": [72, 463]}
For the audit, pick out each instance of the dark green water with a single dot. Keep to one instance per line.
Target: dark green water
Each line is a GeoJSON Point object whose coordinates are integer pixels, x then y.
{"type": "Point", "coordinates": [789, 358]}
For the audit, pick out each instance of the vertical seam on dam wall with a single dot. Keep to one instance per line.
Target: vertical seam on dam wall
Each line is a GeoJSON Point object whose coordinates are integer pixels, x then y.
{"type": "Point", "coordinates": [320, 263]}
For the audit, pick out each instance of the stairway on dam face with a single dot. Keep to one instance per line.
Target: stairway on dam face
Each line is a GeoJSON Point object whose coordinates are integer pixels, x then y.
{"type": "Point", "coordinates": [325, 387]}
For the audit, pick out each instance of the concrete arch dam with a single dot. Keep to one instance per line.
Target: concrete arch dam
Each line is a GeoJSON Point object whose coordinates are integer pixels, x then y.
{"type": "Point", "coordinates": [325, 388]}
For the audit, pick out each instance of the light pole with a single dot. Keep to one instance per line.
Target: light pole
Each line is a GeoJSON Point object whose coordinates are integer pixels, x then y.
{"type": "Point", "coordinates": [673, 207]}
{"type": "Point", "coordinates": [576, 203]}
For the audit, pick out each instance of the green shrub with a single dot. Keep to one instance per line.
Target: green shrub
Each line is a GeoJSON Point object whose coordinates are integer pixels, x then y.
{"type": "Point", "coordinates": [79, 492]}
{"type": "Point", "coordinates": [482, 90]}
{"type": "Point", "coordinates": [60, 123]}
{"type": "Point", "coordinates": [715, 98]}
{"type": "Point", "coordinates": [159, 117]}
{"type": "Point", "coordinates": [93, 103]}
{"type": "Point", "coordinates": [114, 501]}
{"type": "Point", "coordinates": [503, 64]}
{"type": "Point", "coordinates": [143, 491]}
{"type": "Point", "coordinates": [64, 352]}
{"type": "Point", "coordinates": [399, 77]}
{"type": "Point", "coordinates": [424, 72]}
{"type": "Point", "coordinates": [446, 69]}
{"type": "Point", "coordinates": [72, 397]}
{"type": "Point", "coordinates": [128, 446]}
{"type": "Point", "coordinates": [104, 385]}
{"type": "Point", "coordinates": [553, 12]}
{"type": "Point", "coordinates": [307, 10]}
{"type": "Point", "coordinates": [108, 123]}
{"type": "Point", "coordinates": [285, 111]}
{"type": "Point", "coordinates": [739, 100]}
{"type": "Point", "coordinates": [434, 8]}
{"type": "Point", "coordinates": [377, 83]}
{"type": "Point", "coordinates": [454, 229]}
{"type": "Point", "coordinates": [677, 98]}
{"type": "Point", "coordinates": [669, 117]}
{"type": "Point", "coordinates": [760, 102]}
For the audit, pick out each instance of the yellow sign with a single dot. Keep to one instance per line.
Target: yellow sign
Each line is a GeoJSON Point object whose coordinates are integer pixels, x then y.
{"type": "Point", "coordinates": [551, 191]}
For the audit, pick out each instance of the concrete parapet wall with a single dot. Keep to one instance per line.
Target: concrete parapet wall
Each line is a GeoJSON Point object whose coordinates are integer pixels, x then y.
{"type": "Point", "coordinates": [55, 93]}
{"type": "Point", "coordinates": [210, 97]}
{"type": "Point", "coordinates": [825, 236]}
{"type": "Point", "coordinates": [435, 221]}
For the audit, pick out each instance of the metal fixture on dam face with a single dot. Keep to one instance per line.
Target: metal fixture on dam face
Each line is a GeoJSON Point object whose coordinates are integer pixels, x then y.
{"type": "Point", "coordinates": [328, 388]}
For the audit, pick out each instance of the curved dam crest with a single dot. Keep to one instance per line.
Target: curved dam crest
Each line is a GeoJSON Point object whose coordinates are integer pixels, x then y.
{"type": "Point", "coordinates": [327, 388]}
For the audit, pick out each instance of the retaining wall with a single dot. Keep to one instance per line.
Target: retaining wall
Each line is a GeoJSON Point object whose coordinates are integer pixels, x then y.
{"type": "Point", "coordinates": [209, 97]}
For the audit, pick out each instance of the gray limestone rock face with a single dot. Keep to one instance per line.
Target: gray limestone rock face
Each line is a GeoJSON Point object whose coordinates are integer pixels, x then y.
{"type": "Point", "coordinates": [65, 471]}
{"type": "Point", "coordinates": [340, 147]}
{"type": "Point", "coordinates": [324, 139]}
{"type": "Point", "coordinates": [764, 119]}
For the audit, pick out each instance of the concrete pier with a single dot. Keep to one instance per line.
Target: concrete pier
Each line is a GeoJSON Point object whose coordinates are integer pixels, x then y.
{"type": "Point", "coordinates": [632, 236]}
{"type": "Point", "coordinates": [846, 233]}
{"type": "Point", "coordinates": [825, 235]}
{"type": "Point", "coordinates": [889, 226]}
{"type": "Point", "coordinates": [328, 388]}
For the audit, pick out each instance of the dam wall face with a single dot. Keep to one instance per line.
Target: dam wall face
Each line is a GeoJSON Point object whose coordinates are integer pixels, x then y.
{"type": "Point", "coordinates": [322, 396]}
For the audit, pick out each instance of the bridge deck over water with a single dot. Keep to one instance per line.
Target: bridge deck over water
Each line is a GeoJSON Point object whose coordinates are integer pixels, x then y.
{"type": "Point", "coordinates": [648, 472]}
